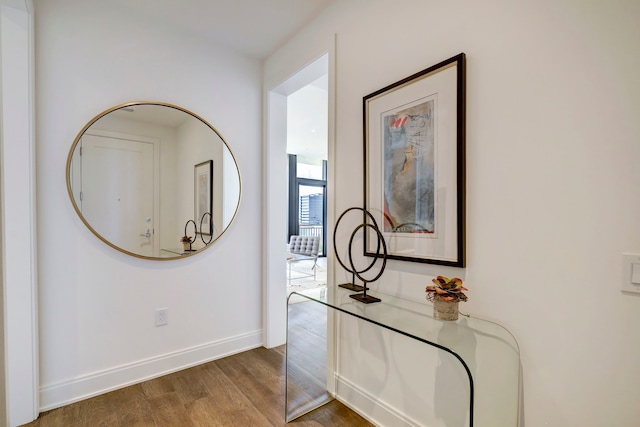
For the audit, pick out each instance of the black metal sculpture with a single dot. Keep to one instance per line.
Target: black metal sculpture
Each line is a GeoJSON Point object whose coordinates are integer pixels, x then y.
{"type": "Point", "coordinates": [210, 228]}
{"type": "Point", "coordinates": [362, 297]}
{"type": "Point", "coordinates": [196, 232]}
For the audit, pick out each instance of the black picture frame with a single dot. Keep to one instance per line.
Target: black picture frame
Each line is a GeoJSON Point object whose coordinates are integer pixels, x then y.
{"type": "Point", "coordinates": [203, 195]}
{"type": "Point", "coordinates": [414, 164]}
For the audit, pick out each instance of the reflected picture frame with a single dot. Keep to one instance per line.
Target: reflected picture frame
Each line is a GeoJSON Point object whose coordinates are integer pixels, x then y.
{"type": "Point", "coordinates": [414, 165]}
{"type": "Point", "coordinates": [203, 196]}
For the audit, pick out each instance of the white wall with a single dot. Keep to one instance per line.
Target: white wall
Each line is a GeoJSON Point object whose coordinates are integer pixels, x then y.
{"type": "Point", "coordinates": [96, 304]}
{"type": "Point", "coordinates": [552, 179]}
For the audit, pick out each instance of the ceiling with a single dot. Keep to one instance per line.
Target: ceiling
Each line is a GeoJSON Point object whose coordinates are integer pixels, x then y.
{"type": "Point", "coordinates": [254, 27]}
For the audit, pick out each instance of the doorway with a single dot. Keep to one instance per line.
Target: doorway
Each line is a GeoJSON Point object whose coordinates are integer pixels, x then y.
{"type": "Point", "coordinates": [290, 130]}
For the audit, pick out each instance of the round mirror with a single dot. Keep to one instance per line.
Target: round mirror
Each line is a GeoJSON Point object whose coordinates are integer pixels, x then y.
{"type": "Point", "coordinates": [153, 180]}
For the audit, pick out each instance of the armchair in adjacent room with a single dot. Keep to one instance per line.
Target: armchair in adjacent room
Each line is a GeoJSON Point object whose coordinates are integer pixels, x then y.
{"type": "Point", "coordinates": [303, 248]}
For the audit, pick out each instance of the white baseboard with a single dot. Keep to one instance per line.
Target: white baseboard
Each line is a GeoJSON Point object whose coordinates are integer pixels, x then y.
{"type": "Point", "coordinates": [369, 407]}
{"type": "Point", "coordinates": [66, 392]}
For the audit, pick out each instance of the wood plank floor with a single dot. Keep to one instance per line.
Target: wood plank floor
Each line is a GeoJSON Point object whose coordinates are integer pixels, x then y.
{"type": "Point", "coordinates": [246, 389]}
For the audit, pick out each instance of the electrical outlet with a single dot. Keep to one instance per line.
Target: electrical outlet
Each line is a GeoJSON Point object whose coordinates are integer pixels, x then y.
{"type": "Point", "coordinates": [162, 316]}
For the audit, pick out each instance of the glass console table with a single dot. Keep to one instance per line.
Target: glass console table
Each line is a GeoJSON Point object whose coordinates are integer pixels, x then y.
{"type": "Point", "coordinates": [329, 343]}
{"type": "Point", "coordinates": [172, 252]}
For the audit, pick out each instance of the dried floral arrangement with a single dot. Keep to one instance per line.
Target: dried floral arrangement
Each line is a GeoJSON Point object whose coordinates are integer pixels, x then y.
{"type": "Point", "coordinates": [446, 289]}
{"type": "Point", "coordinates": [186, 239]}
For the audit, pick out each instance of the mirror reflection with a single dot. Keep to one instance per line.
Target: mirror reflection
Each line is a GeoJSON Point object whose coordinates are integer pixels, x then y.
{"type": "Point", "coordinates": [153, 180]}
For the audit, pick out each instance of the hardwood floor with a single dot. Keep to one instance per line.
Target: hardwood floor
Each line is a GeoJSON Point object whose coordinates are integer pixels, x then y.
{"type": "Point", "coordinates": [245, 390]}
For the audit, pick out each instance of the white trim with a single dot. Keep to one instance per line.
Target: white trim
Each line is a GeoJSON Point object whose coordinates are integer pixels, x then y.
{"type": "Point", "coordinates": [100, 382]}
{"type": "Point", "coordinates": [332, 346]}
{"type": "Point", "coordinates": [275, 183]}
{"type": "Point", "coordinates": [274, 223]}
{"type": "Point", "coordinates": [18, 210]}
{"type": "Point", "coordinates": [369, 407]}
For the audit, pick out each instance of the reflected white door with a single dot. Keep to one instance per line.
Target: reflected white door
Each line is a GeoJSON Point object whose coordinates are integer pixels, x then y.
{"type": "Point", "coordinates": [117, 194]}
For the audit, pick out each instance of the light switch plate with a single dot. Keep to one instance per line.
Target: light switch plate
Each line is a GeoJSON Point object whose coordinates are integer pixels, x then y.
{"type": "Point", "coordinates": [635, 273]}
{"type": "Point", "coordinates": [631, 273]}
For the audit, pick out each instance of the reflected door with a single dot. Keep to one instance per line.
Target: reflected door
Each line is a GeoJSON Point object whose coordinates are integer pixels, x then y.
{"type": "Point", "coordinates": [119, 187]}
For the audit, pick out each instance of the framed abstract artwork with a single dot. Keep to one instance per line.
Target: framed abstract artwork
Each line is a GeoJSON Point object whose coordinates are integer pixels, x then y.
{"type": "Point", "coordinates": [414, 158]}
{"type": "Point", "coordinates": [203, 195]}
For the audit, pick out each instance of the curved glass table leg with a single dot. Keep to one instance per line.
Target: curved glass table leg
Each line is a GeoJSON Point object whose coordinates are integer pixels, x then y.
{"type": "Point", "coordinates": [306, 357]}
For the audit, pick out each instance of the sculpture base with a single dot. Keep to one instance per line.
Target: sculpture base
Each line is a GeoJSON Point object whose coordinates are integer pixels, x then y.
{"type": "Point", "coordinates": [352, 287]}
{"type": "Point", "coordinates": [364, 298]}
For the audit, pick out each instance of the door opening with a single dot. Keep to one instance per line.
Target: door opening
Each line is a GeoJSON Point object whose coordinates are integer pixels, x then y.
{"type": "Point", "coordinates": [298, 111]}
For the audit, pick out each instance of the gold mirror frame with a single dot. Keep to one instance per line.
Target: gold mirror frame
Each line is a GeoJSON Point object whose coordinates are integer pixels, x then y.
{"type": "Point", "coordinates": [166, 254]}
